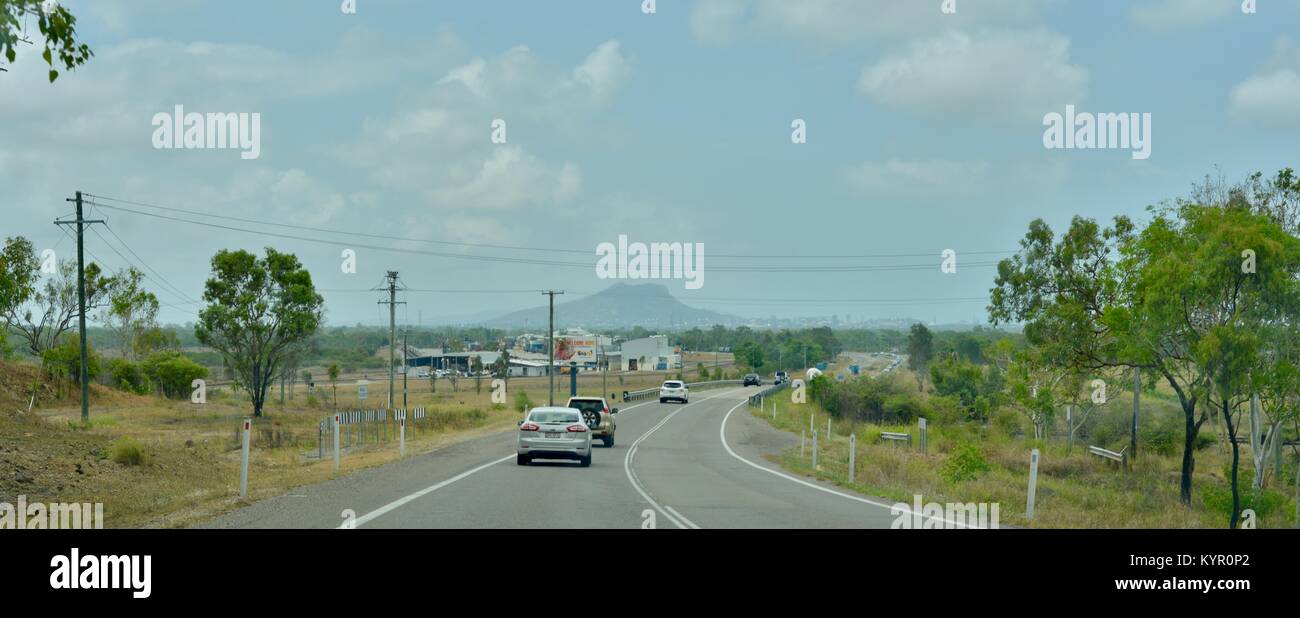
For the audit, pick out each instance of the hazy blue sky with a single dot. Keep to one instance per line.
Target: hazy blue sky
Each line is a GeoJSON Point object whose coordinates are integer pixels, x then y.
{"type": "Point", "coordinates": [924, 132]}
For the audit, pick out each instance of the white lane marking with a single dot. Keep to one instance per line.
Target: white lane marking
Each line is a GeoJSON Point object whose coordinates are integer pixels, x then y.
{"type": "Point", "coordinates": [432, 488]}
{"type": "Point", "coordinates": [427, 490]}
{"type": "Point", "coordinates": [667, 512]}
{"type": "Point", "coordinates": [681, 517]}
{"type": "Point", "coordinates": [722, 434]}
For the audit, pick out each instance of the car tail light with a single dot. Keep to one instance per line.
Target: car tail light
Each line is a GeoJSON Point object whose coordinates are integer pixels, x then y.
{"type": "Point", "coordinates": [529, 427]}
{"type": "Point", "coordinates": [606, 409]}
{"type": "Point", "coordinates": [579, 428]}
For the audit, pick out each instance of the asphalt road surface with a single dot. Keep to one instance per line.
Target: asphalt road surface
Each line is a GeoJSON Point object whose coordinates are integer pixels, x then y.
{"type": "Point", "coordinates": [699, 465]}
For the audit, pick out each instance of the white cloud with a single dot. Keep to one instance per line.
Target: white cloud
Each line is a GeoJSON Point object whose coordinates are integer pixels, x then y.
{"type": "Point", "coordinates": [1008, 74]}
{"type": "Point", "coordinates": [466, 170]}
{"type": "Point", "coordinates": [1271, 97]}
{"type": "Point", "coordinates": [1161, 15]}
{"type": "Point", "coordinates": [829, 22]}
{"type": "Point", "coordinates": [603, 72]}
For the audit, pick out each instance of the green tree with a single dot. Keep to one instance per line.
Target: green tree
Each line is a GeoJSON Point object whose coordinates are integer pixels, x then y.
{"type": "Point", "coordinates": [53, 309]}
{"type": "Point", "coordinates": [259, 310]}
{"type": "Point", "coordinates": [920, 349]}
{"type": "Point", "coordinates": [333, 371]}
{"type": "Point", "coordinates": [57, 27]}
{"type": "Point", "coordinates": [130, 311]}
{"type": "Point", "coordinates": [19, 271]}
{"type": "Point", "coordinates": [1157, 299]}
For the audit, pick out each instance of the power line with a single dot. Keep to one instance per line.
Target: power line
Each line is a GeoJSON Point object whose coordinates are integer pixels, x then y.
{"type": "Point", "coordinates": [501, 246]}
{"type": "Point", "coordinates": [174, 289]}
{"type": "Point", "coordinates": [540, 262]}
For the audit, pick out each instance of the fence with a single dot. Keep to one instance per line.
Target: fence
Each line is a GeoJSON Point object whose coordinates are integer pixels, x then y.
{"type": "Point", "coordinates": [360, 427]}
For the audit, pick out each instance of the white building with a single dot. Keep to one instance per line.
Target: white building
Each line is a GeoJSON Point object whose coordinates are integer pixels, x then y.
{"type": "Point", "coordinates": [648, 354]}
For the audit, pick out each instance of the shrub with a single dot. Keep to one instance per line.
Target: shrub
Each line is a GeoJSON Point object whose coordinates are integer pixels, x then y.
{"type": "Point", "coordinates": [1007, 422]}
{"type": "Point", "coordinates": [522, 401]}
{"type": "Point", "coordinates": [173, 372]}
{"type": "Point", "coordinates": [1218, 498]}
{"type": "Point", "coordinates": [126, 451]}
{"type": "Point", "coordinates": [128, 376]}
{"type": "Point", "coordinates": [966, 464]}
{"type": "Point", "coordinates": [902, 409]}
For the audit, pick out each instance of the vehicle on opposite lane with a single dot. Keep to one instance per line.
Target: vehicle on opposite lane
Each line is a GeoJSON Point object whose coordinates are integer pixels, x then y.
{"type": "Point", "coordinates": [553, 432]}
{"type": "Point", "coordinates": [752, 379]}
{"type": "Point", "coordinates": [674, 390]}
{"type": "Point", "coordinates": [598, 417]}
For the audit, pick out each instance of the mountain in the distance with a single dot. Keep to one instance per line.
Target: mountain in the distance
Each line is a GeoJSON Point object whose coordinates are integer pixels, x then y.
{"type": "Point", "coordinates": [621, 305]}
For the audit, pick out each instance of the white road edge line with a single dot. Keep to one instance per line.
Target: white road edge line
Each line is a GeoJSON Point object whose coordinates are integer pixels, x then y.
{"type": "Point", "coordinates": [681, 517]}
{"type": "Point", "coordinates": [387, 508]}
{"type": "Point", "coordinates": [667, 512]}
{"type": "Point", "coordinates": [722, 435]}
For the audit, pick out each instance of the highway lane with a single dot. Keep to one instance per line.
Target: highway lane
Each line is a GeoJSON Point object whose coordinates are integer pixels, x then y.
{"type": "Point", "coordinates": [475, 484]}
{"type": "Point", "coordinates": [670, 463]}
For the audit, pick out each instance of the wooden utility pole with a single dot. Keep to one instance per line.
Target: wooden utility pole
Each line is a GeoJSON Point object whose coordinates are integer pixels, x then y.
{"type": "Point", "coordinates": [550, 346]}
{"type": "Point", "coordinates": [392, 303]}
{"type": "Point", "coordinates": [81, 222]}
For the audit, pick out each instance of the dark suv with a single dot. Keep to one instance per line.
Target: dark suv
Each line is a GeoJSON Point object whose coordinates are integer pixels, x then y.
{"type": "Point", "coordinates": [752, 379]}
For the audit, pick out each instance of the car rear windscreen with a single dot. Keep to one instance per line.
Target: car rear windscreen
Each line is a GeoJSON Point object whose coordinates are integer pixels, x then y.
{"type": "Point", "coordinates": [587, 405]}
{"type": "Point", "coordinates": [672, 384]}
{"type": "Point", "coordinates": [553, 417]}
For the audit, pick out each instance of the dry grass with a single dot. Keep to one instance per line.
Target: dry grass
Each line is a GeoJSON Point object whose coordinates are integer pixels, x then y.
{"type": "Point", "coordinates": [180, 460]}
{"type": "Point", "coordinates": [1075, 490]}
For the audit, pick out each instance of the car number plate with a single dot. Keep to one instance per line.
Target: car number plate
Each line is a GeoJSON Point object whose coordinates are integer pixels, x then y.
{"type": "Point", "coordinates": [554, 435]}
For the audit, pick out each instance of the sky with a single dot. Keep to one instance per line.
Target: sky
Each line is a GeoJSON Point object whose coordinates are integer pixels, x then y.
{"type": "Point", "coordinates": [924, 132]}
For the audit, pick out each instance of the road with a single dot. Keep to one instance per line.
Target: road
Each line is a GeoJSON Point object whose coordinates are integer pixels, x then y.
{"type": "Point", "coordinates": [675, 466]}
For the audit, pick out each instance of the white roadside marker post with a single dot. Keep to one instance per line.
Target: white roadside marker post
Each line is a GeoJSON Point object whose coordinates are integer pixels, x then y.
{"type": "Point", "coordinates": [853, 449]}
{"type": "Point", "coordinates": [814, 460]}
{"type": "Point", "coordinates": [803, 437]}
{"type": "Point", "coordinates": [401, 432]}
{"type": "Point", "coordinates": [243, 459]}
{"type": "Point", "coordinates": [336, 441]}
{"type": "Point", "coordinates": [828, 430]}
{"type": "Point", "coordinates": [925, 436]}
{"type": "Point", "coordinates": [1033, 483]}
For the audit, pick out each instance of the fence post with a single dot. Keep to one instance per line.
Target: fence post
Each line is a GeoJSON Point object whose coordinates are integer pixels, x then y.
{"type": "Point", "coordinates": [243, 459]}
{"type": "Point", "coordinates": [336, 441]}
{"type": "Point", "coordinates": [925, 436]}
{"type": "Point", "coordinates": [853, 449]}
{"type": "Point", "coordinates": [1033, 483]}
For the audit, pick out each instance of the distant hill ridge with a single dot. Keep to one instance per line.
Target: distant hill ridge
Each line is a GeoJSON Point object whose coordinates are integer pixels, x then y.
{"type": "Point", "coordinates": [622, 305]}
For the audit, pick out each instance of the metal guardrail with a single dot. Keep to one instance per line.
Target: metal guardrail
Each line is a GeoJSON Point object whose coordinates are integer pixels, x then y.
{"type": "Point", "coordinates": [1119, 457]}
{"type": "Point", "coordinates": [767, 392]}
{"type": "Point", "coordinates": [646, 393]}
{"type": "Point", "coordinates": [896, 436]}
